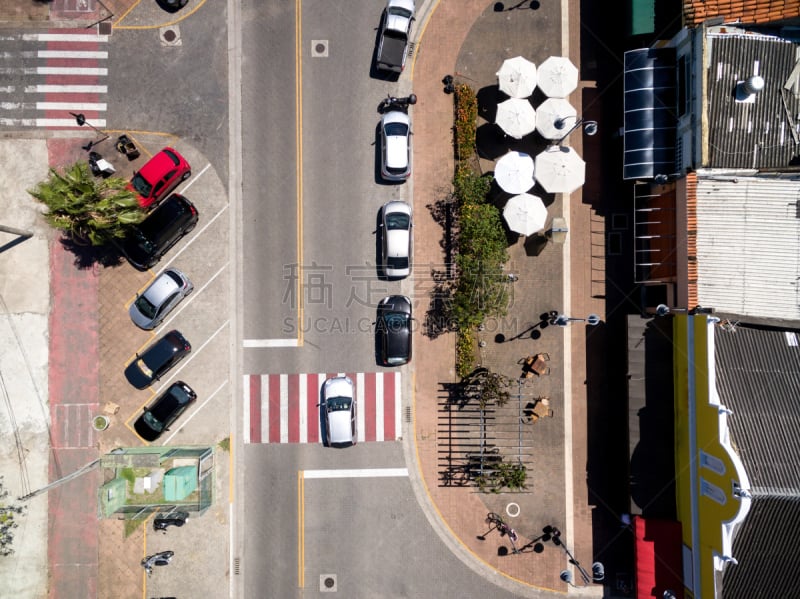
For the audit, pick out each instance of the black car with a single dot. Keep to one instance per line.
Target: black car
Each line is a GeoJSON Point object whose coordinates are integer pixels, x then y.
{"type": "Point", "coordinates": [393, 329]}
{"type": "Point", "coordinates": [164, 521]}
{"type": "Point", "coordinates": [148, 241]}
{"type": "Point", "coordinates": [157, 359]}
{"type": "Point", "coordinates": [164, 411]}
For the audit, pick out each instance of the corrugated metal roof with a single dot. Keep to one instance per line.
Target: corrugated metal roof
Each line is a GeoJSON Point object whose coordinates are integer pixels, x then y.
{"type": "Point", "coordinates": [748, 246]}
{"type": "Point", "coordinates": [758, 378]}
{"type": "Point", "coordinates": [750, 134]}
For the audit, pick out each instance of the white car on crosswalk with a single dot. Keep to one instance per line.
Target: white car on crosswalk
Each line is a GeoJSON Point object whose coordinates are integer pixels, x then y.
{"type": "Point", "coordinates": [339, 403]}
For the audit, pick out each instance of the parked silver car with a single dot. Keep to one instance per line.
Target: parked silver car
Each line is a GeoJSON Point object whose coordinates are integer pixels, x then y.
{"type": "Point", "coordinates": [339, 403]}
{"type": "Point", "coordinates": [161, 296]}
{"type": "Point", "coordinates": [395, 146]}
{"type": "Point", "coordinates": [396, 239]}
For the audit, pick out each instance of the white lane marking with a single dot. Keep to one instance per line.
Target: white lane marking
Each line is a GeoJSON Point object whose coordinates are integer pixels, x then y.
{"type": "Point", "coordinates": [195, 178]}
{"type": "Point", "coordinates": [360, 473]}
{"type": "Point", "coordinates": [62, 37]}
{"type": "Point", "coordinates": [71, 54]}
{"type": "Point", "coordinates": [7, 88]}
{"type": "Point", "coordinates": [398, 427]}
{"type": "Point", "coordinates": [284, 378]}
{"type": "Point", "coordinates": [379, 434]}
{"type": "Point", "coordinates": [264, 407]}
{"type": "Point", "coordinates": [184, 363]}
{"type": "Point", "coordinates": [246, 409]}
{"type": "Point", "coordinates": [361, 414]}
{"type": "Point", "coordinates": [99, 123]}
{"type": "Point", "coordinates": [65, 89]}
{"type": "Point", "coordinates": [269, 343]}
{"type": "Point", "coordinates": [69, 71]}
{"type": "Point", "coordinates": [96, 106]}
{"type": "Point", "coordinates": [194, 413]}
{"type": "Point", "coordinates": [302, 389]}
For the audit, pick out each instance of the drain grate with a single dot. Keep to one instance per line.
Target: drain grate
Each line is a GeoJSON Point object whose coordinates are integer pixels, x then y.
{"type": "Point", "coordinates": [408, 414]}
{"type": "Point", "coordinates": [236, 566]}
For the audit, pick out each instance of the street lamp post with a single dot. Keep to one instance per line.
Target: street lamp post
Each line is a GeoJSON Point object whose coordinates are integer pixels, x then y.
{"type": "Point", "coordinates": [80, 118]}
{"type": "Point", "coordinates": [598, 570]}
{"type": "Point", "coordinates": [563, 320]}
{"type": "Point", "coordinates": [590, 127]}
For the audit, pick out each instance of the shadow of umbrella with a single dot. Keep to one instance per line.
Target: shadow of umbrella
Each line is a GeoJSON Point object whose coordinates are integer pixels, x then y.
{"type": "Point", "coordinates": [491, 142]}
{"type": "Point", "coordinates": [488, 99]}
{"type": "Point", "coordinates": [535, 244]}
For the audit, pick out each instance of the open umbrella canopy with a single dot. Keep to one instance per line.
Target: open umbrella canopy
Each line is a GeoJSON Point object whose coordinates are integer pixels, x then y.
{"type": "Point", "coordinates": [557, 77]}
{"type": "Point", "coordinates": [560, 169]}
{"type": "Point", "coordinates": [517, 77]}
{"type": "Point", "coordinates": [525, 214]}
{"type": "Point", "coordinates": [514, 172]}
{"type": "Point", "coordinates": [549, 113]}
{"type": "Point", "coordinates": [516, 117]}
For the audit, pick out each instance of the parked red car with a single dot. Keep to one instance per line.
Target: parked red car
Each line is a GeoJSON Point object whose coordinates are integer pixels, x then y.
{"type": "Point", "coordinates": [159, 176]}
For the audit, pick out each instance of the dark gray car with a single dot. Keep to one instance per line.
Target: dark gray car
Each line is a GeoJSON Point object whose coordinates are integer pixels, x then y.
{"type": "Point", "coordinates": [157, 359]}
{"type": "Point", "coordinates": [393, 329]}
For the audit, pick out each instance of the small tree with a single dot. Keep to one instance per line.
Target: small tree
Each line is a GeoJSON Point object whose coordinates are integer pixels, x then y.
{"type": "Point", "coordinates": [88, 209]}
{"type": "Point", "coordinates": [8, 523]}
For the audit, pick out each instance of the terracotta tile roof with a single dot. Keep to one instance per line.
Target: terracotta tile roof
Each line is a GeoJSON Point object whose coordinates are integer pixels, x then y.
{"type": "Point", "coordinates": [746, 11]}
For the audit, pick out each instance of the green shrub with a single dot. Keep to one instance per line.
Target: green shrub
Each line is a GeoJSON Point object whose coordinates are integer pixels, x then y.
{"type": "Point", "coordinates": [465, 352]}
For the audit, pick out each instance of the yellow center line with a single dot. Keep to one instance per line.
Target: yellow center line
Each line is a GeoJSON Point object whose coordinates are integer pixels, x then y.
{"type": "Point", "coordinates": [298, 85]}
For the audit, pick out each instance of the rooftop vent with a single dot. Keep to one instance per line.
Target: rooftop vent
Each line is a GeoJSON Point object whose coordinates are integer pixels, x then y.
{"type": "Point", "coordinates": [747, 90]}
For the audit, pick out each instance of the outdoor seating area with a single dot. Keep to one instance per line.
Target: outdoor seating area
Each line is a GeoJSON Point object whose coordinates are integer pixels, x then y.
{"type": "Point", "coordinates": [535, 365]}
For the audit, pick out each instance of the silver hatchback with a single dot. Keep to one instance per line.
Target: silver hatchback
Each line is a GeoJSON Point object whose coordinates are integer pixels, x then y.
{"type": "Point", "coordinates": [151, 307]}
{"type": "Point", "coordinates": [339, 404]}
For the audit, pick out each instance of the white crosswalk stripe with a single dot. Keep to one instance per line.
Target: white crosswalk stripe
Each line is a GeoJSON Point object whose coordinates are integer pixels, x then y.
{"type": "Point", "coordinates": [49, 74]}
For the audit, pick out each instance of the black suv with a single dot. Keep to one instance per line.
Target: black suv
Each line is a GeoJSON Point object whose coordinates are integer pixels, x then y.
{"type": "Point", "coordinates": [157, 359]}
{"type": "Point", "coordinates": [148, 241]}
{"type": "Point", "coordinates": [393, 330]}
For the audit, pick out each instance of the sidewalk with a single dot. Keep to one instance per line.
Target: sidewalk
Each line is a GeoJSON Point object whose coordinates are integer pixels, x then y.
{"type": "Point", "coordinates": [469, 40]}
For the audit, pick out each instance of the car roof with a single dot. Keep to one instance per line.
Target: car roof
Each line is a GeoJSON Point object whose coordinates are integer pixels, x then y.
{"type": "Point", "coordinates": [160, 163]}
{"type": "Point", "coordinates": [340, 430]}
{"type": "Point", "coordinates": [164, 286]}
{"type": "Point", "coordinates": [165, 214]}
{"type": "Point", "coordinates": [164, 348]}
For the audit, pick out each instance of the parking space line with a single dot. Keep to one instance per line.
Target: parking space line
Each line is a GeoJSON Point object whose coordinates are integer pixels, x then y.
{"type": "Point", "coordinates": [194, 413]}
{"type": "Point", "coordinates": [193, 295]}
{"type": "Point", "coordinates": [192, 354]}
{"type": "Point", "coordinates": [196, 235]}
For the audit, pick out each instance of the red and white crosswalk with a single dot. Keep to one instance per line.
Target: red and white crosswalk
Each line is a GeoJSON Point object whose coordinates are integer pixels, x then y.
{"type": "Point", "coordinates": [46, 76]}
{"type": "Point", "coordinates": [282, 408]}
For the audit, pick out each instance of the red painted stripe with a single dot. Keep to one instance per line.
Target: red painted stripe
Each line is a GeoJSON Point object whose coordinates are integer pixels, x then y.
{"type": "Point", "coordinates": [388, 406]}
{"type": "Point", "coordinates": [369, 406]}
{"type": "Point", "coordinates": [312, 411]}
{"type": "Point", "coordinates": [255, 408]}
{"type": "Point", "coordinates": [274, 408]}
{"type": "Point", "coordinates": [294, 408]}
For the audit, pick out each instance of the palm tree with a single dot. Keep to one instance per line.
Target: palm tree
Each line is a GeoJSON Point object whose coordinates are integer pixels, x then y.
{"type": "Point", "coordinates": [86, 208]}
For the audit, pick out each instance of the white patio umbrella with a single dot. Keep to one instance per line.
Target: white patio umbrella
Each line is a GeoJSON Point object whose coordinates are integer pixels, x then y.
{"type": "Point", "coordinates": [549, 112]}
{"type": "Point", "coordinates": [557, 77]}
{"type": "Point", "coordinates": [525, 214]}
{"type": "Point", "coordinates": [560, 170]}
{"type": "Point", "coordinates": [514, 172]}
{"type": "Point", "coordinates": [516, 117]}
{"type": "Point", "coordinates": [517, 77]}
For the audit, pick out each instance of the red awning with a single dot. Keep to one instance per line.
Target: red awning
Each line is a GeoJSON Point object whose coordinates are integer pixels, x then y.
{"type": "Point", "coordinates": [658, 558]}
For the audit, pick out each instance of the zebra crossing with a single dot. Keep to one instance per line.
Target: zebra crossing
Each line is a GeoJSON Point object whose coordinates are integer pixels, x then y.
{"type": "Point", "coordinates": [44, 76]}
{"type": "Point", "coordinates": [282, 408]}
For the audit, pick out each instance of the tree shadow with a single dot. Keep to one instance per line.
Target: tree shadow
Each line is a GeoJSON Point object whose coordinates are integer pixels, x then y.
{"type": "Point", "coordinates": [88, 256]}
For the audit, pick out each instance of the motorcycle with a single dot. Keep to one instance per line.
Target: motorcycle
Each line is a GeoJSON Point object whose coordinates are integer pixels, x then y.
{"type": "Point", "coordinates": [391, 103]}
{"type": "Point", "coordinates": [163, 521]}
{"type": "Point", "coordinates": [162, 558]}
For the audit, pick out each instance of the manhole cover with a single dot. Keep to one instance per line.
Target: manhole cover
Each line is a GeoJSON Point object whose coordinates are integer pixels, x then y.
{"type": "Point", "coordinates": [327, 583]}
{"type": "Point", "coordinates": [319, 48]}
{"type": "Point", "coordinates": [170, 35]}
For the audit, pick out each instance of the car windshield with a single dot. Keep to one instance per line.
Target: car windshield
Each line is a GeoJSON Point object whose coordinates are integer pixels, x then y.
{"type": "Point", "coordinates": [141, 185]}
{"type": "Point", "coordinates": [338, 404]}
{"type": "Point", "coordinates": [397, 220]}
{"type": "Point", "coordinates": [400, 12]}
{"type": "Point", "coordinates": [396, 129]}
{"type": "Point", "coordinates": [145, 307]}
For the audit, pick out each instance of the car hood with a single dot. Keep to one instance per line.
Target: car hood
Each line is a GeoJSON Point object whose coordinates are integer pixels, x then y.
{"type": "Point", "coordinates": [135, 376]}
{"type": "Point", "coordinates": [339, 423]}
{"type": "Point", "coordinates": [338, 388]}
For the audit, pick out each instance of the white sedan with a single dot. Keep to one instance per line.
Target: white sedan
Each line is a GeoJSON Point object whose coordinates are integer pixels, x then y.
{"type": "Point", "coordinates": [396, 239]}
{"type": "Point", "coordinates": [395, 146]}
{"type": "Point", "coordinates": [339, 403]}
